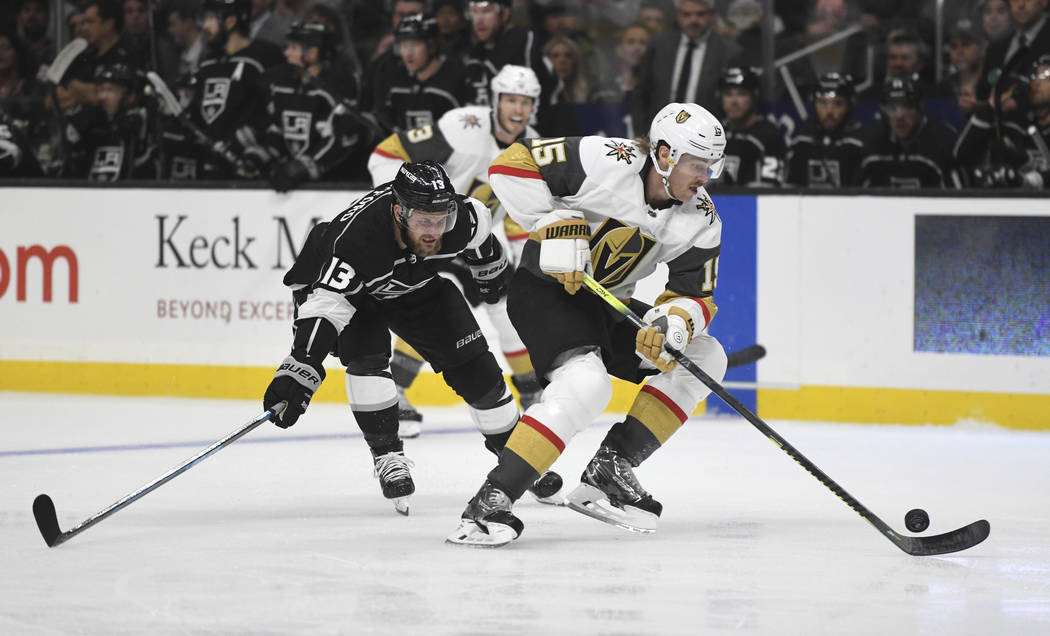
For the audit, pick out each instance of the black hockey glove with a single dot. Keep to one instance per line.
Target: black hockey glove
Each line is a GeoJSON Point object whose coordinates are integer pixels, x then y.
{"type": "Point", "coordinates": [295, 382]}
{"type": "Point", "coordinates": [288, 174]}
{"type": "Point", "coordinates": [493, 279]}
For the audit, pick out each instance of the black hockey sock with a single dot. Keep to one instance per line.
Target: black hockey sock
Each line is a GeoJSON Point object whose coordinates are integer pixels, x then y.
{"type": "Point", "coordinates": [496, 441]}
{"type": "Point", "coordinates": [632, 440]}
{"type": "Point", "coordinates": [404, 368]}
{"type": "Point", "coordinates": [380, 430]}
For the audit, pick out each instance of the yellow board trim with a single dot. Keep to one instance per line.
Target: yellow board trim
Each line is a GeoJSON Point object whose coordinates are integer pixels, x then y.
{"type": "Point", "coordinates": [833, 404]}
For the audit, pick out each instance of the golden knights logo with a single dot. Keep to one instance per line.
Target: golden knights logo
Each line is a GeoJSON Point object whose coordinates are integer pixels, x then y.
{"type": "Point", "coordinates": [681, 117]}
{"type": "Point", "coordinates": [616, 250]}
{"type": "Point", "coordinates": [213, 101]}
{"type": "Point", "coordinates": [621, 151]}
{"type": "Point", "coordinates": [470, 121]}
{"type": "Point", "coordinates": [296, 125]}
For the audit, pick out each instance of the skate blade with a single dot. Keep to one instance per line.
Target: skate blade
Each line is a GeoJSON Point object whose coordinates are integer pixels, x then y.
{"type": "Point", "coordinates": [400, 505]}
{"type": "Point", "coordinates": [557, 499]}
{"type": "Point", "coordinates": [588, 500]}
{"type": "Point", "coordinates": [472, 535]}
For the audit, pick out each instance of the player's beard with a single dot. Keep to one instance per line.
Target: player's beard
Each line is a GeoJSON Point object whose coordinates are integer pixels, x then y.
{"type": "Point", "coordinates": [419, 248]}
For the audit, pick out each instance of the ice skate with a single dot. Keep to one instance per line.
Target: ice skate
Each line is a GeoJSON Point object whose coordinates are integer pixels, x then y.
{"type": "Point", "coordinates": [610, 492]}
{"type": "Point", "coordinates": [528, 388]}
{"type": "Point", "coordinates": [487, 521]}
{"type": "Point", "coordinates": [411, 420]}
{"type": "Point", "coordinates": [392, 471]}
{"type": "Point", "coordinates": [547, 489]}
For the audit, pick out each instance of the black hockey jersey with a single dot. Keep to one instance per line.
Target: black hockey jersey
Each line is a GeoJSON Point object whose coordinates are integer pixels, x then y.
{"type": "Point", "coordinates": [926, 162]}
{"type": "Point", "coordinates": [982, 149]}
{"type": "Point", "coordinates": [231, 93]}
{"type": "Point", "coordinates": [817, 158]}
{"type": "Point", "coordinates": [357, 256]}
{"type": "Point", "coordinates": [754, 156]}
{"type": "Point", "coordinates": [103, 149]}
{"type": "Point", "coordinates": [404, 103]}
{"type": "Point", "coordinates": [513, 46]}
{"type": "Point", "coordinates": [16, 158]}
{"type": "Point", "coordinates": [307, 121]}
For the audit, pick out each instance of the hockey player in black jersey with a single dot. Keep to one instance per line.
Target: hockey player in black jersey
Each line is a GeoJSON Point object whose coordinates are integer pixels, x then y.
{"type": "Point", "coordinates": [497, 42]}
{"type": "Point", "coordinates": [111, 141]}
{"type": "Point", "coordinates": [370, 270]}
{"type": "Point", "coordinates": [826, 152]}
{"type": "Point", "coordinates": [911, 150]}
{"type": "Point", "coordinates": [1010, 151]}
{"type": "Point", "coordinates": [754, 146]}
{"type": "Point", "coordinates": [311, 130]}
{"type": "Point", "coordinates": [231, 94]}
{"type": "Point", "coordinates": [424, 85]}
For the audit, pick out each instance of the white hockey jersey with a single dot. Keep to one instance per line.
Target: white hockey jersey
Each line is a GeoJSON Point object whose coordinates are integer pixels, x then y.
{"type": "Point", "coordinates": [604, 178]}
{"type": "Point", "coordinates": [462, 142]}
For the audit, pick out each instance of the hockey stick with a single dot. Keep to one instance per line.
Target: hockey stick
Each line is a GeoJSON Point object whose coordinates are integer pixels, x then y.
{"type": "Point", "coordinates": [954, 541]}
{"type": "Point", "coordinates": [65, 57]}
{"type": "Point", "coordinates": [47, 518]}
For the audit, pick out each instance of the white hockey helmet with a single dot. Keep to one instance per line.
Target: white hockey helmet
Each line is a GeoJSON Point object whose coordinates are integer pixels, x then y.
{"type": "Point", "coordinates": [515, 80]}
{"type": "Point", "coordinates": [688, 129]}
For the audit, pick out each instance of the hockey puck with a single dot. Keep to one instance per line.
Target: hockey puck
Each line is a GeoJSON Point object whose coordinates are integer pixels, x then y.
{"type": "Point", "coordinates": [917, 520]}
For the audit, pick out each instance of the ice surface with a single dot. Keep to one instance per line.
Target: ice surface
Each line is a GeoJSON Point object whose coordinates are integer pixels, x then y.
{"type": "Point", "coordinates": [285, 532]}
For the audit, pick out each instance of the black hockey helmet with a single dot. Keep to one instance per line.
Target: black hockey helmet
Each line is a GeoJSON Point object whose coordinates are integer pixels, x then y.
{"type": "Point", "coordinates": [119, 74]}
{"type": "Point", "coordinates": [416, 27]}
{"type": "Point", "coordinates": [314, 34]}
{"type": "Point", "coordinates": [240, 9]}
{"type": "Point", "coordinates": [835, 85]}
{"type": "Point", "coordinates": [900, 90]}
{"type": "Point", "coordinates": [742, 77]}
{"type": "Point", "coordinates": [424, 186]}
{"type": "Point", "coordinates": [1037, 70]}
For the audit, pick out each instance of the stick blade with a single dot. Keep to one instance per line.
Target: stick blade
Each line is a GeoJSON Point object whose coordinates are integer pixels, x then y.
{"type": "Point", "coordinates": [747, 355]}
{"type": "Point", "coordinates": [954, 541]}
{"type": "Point", "coordinates": [46, 519]}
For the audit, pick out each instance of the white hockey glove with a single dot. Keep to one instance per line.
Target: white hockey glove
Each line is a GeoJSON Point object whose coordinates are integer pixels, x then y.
{"type": "Point", "coordinates": [565, 253]}
{"type": "Point", "coordinates": [667, 324]}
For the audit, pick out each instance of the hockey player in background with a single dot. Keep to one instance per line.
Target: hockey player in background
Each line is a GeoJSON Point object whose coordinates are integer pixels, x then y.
{"type": "Point", "coordinates": [311, 129]}
{"type": "Point", "coordinates": [826, 152]}
{"type": "Point", "coordinates": [602, 205]}
{"type": "Point", "coordinates": [111, 141]}
{"type": "Point", "coordinates": [231, 93]}
{"type": "Point", "coordinates": [424, 85]}
{"type": "Point", "coordinates": [464, 142]}
{"type": "Point", "coordinates": [910, 150]}
{"type": "Point", "coordinates": [754, 146]}
{"type": "Point", "coordinates": [370, 271]}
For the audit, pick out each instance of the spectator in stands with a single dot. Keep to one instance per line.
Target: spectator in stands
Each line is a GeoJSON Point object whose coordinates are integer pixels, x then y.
{"type": "Point", "coordinates": [827, 151]}
{"type": "Point", "coordinates": [1011, 152]}
{"type": "Point", "coordinates": [747, 20]}
{"type": "Point", "coordinates": [453, 31]}
{"type": "Point", "coordinates": [152, 53]}
{"type": "Point", "coordinates": [995, 19]}
{"type": "Point", "coordinates": [190, 40]}
{"type": "Point", "coordinates": [497, 42]}
{"type": "Point", "coordinates": [75, 23]}
{"type": "Point", "coordinates": [425, 86]}
{"type": "Point", "coordinates": [110, 141]}
{"type": "Point", "coordinates": [401, 10]}
{"type": "Point", "coordinates": [682, 65]}
{"type": "Point", "coordinates": [1006, 61]}
{"type": "Point", "coordinates": [564, 58]}
{"type": "Point", "coordinates": [966, 46]}
{"type": "Point", "coordinates": [910, 150]}
{"type": "Point", "coordinates": [34, 20]}
{"type": "Point", "coordinates": [268, 24]}
{"type": "Point", "coordinates": [755, 148]}
{"type": "Point", "coordinates": [620, 81]}
{"type": "Point", "coordinates": [103, 22]}
{"type": "Point", "coordinates": [655, 15]}
{"type": "Point", "coordinates": [19, 90]}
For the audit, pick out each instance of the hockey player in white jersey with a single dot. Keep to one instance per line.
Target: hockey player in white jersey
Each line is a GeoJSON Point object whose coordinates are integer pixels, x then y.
{"type": "Point", "coordinates": [601, 205]}
{"type": "Point", "coordinates": [465, 141]}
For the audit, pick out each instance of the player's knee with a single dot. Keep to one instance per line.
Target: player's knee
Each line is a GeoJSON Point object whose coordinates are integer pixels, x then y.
{"type": "Point", "coordinates": [476, 378]}
{"type": "Point", "coordinates": [371, 364]}
{"type": "Point", "coordinates": [708, 352]}
{"type": "Point", "coordinates": [580, 389]}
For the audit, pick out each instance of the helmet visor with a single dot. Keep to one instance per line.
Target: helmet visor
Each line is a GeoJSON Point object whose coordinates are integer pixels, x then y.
{"type": "Point", "coordinates": [696, 167]}
{"type": "Point", "coordinates": [439, 222]}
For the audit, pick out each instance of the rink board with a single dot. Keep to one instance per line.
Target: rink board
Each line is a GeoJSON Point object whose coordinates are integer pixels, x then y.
{"type": "Point", "coordinates": [178, 292]}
